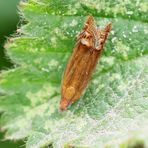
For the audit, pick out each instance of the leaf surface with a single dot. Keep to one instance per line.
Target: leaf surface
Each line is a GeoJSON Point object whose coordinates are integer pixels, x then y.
{"type": "Point", "coordinates": [113, 111]}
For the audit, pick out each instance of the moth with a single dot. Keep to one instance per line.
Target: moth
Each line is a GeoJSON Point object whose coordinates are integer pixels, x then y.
{"type": "Point", "coordinates": [87, 50]}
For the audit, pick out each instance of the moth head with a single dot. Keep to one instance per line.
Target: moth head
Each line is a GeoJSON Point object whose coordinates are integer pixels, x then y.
{"type": "Point", "coordinates": [91, 36]}
{"type": "Point", "coordinates": [89, 33]}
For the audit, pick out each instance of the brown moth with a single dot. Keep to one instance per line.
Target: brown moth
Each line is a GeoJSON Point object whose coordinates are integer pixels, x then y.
{"type": "Point", "coordinates": [82, 62]}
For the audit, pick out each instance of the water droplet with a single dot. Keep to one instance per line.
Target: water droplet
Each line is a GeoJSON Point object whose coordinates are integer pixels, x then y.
{"type": "Point", "coordinates": [129, 12]}
{"type": "Point", "coordinates": [135, 29]}
{"type": "Point", "coordinates": [114, 39]}
{"type": "Point", "coordinates": [45, 69]}
{"type": "Point", "coordinates": [73, 23]}
{"type": "Point", "coordinates": [124, 36]}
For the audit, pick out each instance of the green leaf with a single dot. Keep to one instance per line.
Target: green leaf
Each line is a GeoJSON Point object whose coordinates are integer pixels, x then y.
{"type": "Point", "coordinates": [113, 111]}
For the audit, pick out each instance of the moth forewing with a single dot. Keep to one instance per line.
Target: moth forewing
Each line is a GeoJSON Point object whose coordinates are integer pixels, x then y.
{"type": "Point", "coordinates": [82, 62]}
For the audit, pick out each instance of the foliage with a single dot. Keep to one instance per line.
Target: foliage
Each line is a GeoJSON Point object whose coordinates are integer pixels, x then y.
{"type": "Point", "coordinates": [113, 112]}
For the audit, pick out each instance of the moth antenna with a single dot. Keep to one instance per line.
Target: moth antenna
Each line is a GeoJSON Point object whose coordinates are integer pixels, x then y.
{"type": "Point", "coordinates": [90, 19]}
{"type": "Point", "coordinates": [89, 22]}
{"type": "Point", "coordinates": [108, 27]}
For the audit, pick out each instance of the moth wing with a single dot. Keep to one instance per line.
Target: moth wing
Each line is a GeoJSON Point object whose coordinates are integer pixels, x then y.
{"type": "Point", "coordinates": [89, 23]}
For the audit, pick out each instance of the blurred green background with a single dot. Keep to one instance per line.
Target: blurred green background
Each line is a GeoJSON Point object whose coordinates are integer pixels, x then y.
{"type": "Point", "coordinates": [8, 23]}
{"type": "Point", "coordinates": [9, 20]}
